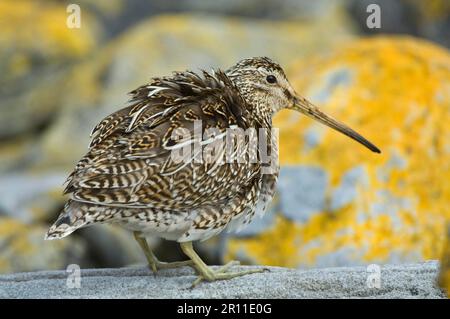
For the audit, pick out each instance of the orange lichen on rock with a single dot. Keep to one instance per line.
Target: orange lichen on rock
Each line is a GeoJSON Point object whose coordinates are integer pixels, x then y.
{"type": "Point", "coordinates": [37, 48]}
{"type": "Point", "coordinates": [41, 26]}
{"type": "Point", "coordinates": [23, 248]}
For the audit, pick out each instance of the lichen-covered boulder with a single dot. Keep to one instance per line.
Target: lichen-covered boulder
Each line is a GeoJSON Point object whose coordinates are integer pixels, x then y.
{"type": "Point", "coordinates": [36, 47]}
{"type": "Point", "coordinates": [340, 204]}
{"type": "Point", "coordinates": [23, 248]}
{"type": "Point", "coordinates": [29, 200]}
{"type": "Point", "coordinates": [426, 19]}
{"type": "Point", "coordinates": [31, 196]}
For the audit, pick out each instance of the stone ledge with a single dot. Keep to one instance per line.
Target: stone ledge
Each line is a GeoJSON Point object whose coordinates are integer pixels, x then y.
{"type": "Point", "coordinates": [397, 281]}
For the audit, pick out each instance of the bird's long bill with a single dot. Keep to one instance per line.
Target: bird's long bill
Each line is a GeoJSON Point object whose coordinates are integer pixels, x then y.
{"type": "Point", "coordinates": [304, 106]}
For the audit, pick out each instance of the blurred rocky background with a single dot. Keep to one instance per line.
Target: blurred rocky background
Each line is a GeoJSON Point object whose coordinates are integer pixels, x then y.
{"type": "Point", "coordinates": [337, 203]}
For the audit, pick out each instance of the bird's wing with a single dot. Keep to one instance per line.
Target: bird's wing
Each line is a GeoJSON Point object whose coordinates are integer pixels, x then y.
{"type": "Point", "coordinates": [131, 161]}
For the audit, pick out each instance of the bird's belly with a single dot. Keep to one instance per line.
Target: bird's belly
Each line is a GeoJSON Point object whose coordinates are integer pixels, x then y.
{"type": "Point", "coordinates": [206, 221]}
{"type": "Point", "coordinates": [198, 224]}
{"type": "Point", "coordinates": [167, 225]}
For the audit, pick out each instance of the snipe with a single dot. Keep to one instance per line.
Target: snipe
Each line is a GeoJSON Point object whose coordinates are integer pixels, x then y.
{"type": "Point", "coordinates": [131, 177]}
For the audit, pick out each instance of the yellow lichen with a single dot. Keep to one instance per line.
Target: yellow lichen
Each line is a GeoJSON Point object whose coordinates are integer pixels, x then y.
{"type": "Point", "coordinates": [41, 25]}
{"type": "Point", "coordinates": [23, 249]}
{"type": "Point", "coordinates": [280, 252]}
{"type": "Point", "coordinates": [15, 233]}
{"type": "Point", "coordinates": [398, 97]}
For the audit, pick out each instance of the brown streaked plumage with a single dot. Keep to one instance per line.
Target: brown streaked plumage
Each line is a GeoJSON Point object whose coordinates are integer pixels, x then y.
{"type": "Point", "coordinates": [130, 177]}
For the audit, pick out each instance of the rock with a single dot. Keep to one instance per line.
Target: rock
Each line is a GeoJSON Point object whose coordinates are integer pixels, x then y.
{"type": "Point", "coordinates": [23, 248]}
{"type": "Point", "coordinates": [118, 15]}
{"type": "Point", "coordinates": [341, 204]}
{"type": "Point", "coordinates": [112, 246]}
{"type": "Point", "coordinates": [31, 196]}
{"type": "Point", "coordinates": [268, 9]}
{"type": "Point", "coordinates": [302, 191]}
{"type": "Point", "coordinates": [416, 17]}
{"type": "Point", "coordinates": [35, 49]}
{"type": "Point", "coordinates": [29, 202]}
{"type": "Point", "coordinates": [16, 154]}
{"type": "Point", "coordinates": [444, 276]}
{"type": "Point", "coordinates": [396, 281]}
{"type": "Point", "coordinates": [161, 45]}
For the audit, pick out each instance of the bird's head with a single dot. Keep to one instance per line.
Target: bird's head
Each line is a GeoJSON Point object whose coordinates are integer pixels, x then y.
{"type": "Point", "coordinates": [264, 86]}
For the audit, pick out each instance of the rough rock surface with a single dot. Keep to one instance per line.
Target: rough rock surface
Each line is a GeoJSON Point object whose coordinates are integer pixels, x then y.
{"type": "Point", "coordinates": [397, 281]}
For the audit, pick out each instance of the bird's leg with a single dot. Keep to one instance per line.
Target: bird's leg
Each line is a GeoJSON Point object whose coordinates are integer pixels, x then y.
{"type": "Point", "coordinates": [208, 274]}
{"type": "Point", "coordinates": [153, 262]}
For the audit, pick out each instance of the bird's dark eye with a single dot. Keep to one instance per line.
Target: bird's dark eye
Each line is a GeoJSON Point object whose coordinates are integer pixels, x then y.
{"type": "Point", "coordinates": [271, 79]}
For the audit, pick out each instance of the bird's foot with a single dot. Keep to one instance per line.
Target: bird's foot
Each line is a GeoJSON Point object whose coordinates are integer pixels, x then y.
{"type": "Point", "coordinates": [156, 264]}
{"type": "Point", "coordinates": [208, 274]}
{"type": "Point", "coordinates": [153, 263]}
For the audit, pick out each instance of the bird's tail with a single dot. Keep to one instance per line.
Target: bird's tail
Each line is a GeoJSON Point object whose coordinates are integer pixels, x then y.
{"type": "Point", "coordinates": [68, 221]}
{"type": "Point", "coordinates": [77, 215]}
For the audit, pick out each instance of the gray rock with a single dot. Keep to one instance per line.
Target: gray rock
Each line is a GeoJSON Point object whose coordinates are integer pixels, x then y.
{"type": "Point", "coordinates": [22, 248]}
{"type": "Point", "coordinates": [302, 191]}
{"type": "Point", "coordinates": [411, 17]}
{"type": "Point", "coordinates": [346, 192]}
{"type": "Point", "coordinates": [33, 69]}
{"type": "Point", "coordinates": [115, 21]}
{"type": "Point", "coordinates": [397, 281]}
{"type": "Point", "coordinates": [260, 224]}
{"type": "Point", "coordinates": [30, 196]}
{"type": "Point", "coordinates": [113, 246]}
